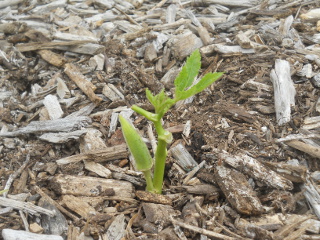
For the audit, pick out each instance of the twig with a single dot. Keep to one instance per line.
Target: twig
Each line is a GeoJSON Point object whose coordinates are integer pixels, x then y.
{"type": "Point", "coordinates": [193, 172]}
{"type": "Point", "coordinates": [228, 231]}
{"type": "Point", "coordinates": [201, 230]}
{"type": "Point", "coordinates": [15, 175]}
{"type": "Point", "coordinates": [160, 4]}
{"type": "Point", "coordinates": [297, 137]}
{"type": "Point", "coordinates": [304, 147]}
{"type": "Point", "coordinates": [129, 231]}
{"type": "Point", "coordinates": [127, 16]}
{"type": "Point", "coordinates": [25, 206]}
{"type": "Point", "coordinates": [24, 220]}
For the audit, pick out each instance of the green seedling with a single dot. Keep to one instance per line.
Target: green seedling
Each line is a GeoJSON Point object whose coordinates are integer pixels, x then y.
{"type": "Point", "coordinates": [184, 88]}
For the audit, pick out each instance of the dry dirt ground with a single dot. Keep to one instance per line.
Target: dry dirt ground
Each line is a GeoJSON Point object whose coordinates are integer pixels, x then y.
{"type": "Point", "coordinates": [231, 115]}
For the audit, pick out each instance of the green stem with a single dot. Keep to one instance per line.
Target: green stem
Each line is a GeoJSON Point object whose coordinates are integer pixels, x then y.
{"type": "Point", "coordinates": [148, 115]}
{"type": "Point", "coordinates": [147, 176]}
{"type": "Point", "coordinates": [160, 159]}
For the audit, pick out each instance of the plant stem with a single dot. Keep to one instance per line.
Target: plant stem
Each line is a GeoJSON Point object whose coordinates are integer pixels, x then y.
{"type": "Point", "coordinates": [148, 115]}
{"type": "Point", "coordinates": [147, 176]}
{"type": "Point", "coordinates": [160, 159]}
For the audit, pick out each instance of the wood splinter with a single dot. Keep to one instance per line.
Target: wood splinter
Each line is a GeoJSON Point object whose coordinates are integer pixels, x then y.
{"type": "Point", "coordinates": [78, 78]}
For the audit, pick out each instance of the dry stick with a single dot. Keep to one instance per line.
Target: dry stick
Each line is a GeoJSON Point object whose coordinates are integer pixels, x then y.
{"type": "Point", "coordinates": [193, 172]}
{"type": "Point", "coordinates": [26, 47]}
{"type": "Point", "coordinates": [24, 220]}
{"type": "Point", "coordinates": [127, 16]}
{"type": "Point", "coordinates": [160, 4]}
{"type": "Point", "coordinates": [298, 136]}
{"type": "Point", "coordinates": [311, 150]}
{"type": "Point", "coordinates": [201, 230]}
{"type": "Point", "coordinates": [130, 233]}
{"type": "Point", "coordinates": [80, 80]}
{"type": "Point", "coordinates": [51, 201]}
{"type": "Point", "coordinates": [15, 175]}
{"type": "Point", "coordinates": [25, 206]}
{"type": "Point", "coordinates": [228, 231]}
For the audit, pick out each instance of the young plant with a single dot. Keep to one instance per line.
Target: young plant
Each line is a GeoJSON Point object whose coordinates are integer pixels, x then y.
{"type": "Point", "coordinates": [184, 89]}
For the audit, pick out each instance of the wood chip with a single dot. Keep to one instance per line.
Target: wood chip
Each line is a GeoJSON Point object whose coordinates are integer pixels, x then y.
{"type": "Point", "coordinates": [87, 87]}
{"type": "Point", "coordinates": [74, 185]}
{"type": "Point", "coordinates": [101, 155]}
{"type": "Point", "coordinates": [284, 91]}
{"type": "Point", "coordinates": [238, 192]}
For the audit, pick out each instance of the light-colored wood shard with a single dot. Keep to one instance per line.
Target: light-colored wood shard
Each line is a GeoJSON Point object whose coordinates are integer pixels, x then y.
{"type": "Point", "coordinates": [312, 195]}
{"type": "Point", "coordinates": [97, 62]}
{"type": "Point", "coordinates": [284, 90]}
{"type": "Point", "coordinates": [204, 35]}
{"type": "Point", "coordinates": [111, 92]}
{"type": "Point", "coordinates": [104, 3]}
{"type": "Point", "coordinates": [311, 122]}
{"type": "Point", "coordinates": [81, 47]}
{"type": "Point", "coordinates": [98, 169]}
{"type": "Point", "coordinates": [117, 229]}
{"type": "Point", "coordinates": [74, 37]}
{"type": "Point", "coordinates": [57, 125]}
{"type": "Point", "coordinates": [313, 151]}
{"type": "Point", "coordinates": [50, 6]}
{"type": "Point", "coordinates": [78, 206]}
{"type": "Point", "coordinates": [113, 123]}
{"type": "Point", "coordinates": [183, 157]}
{"type": "Point", "coordinates": [92, 141]}
{"type": "Point", "coordinates": [62, 89]}
{"type": "Point", "coordinates": [232, 3]}
{"type": "Point", "coordinates": [171, 13]}
{"type": "Point", "coordinates": [312, 15]}
{"type": "Point", "coordinates": [101, 155]}
{"type": "Point", "coordinates": [62, 137]}
{"type": "Point", "coordinates": [53, 106]}
{"type": "Point", "coordinates": [9, 234]}
{"type": "Point", "coordinates": [25, 206]}
{"type": "Point", "coordinates": [225, 49]}
{"type": "Point", "coordinates": [184, 44]}
{"type": "Point", "coordinates": [91, 186]}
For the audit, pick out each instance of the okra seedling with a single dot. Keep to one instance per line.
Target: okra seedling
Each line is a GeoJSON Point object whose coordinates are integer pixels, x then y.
{"type": "Point", "coordinates": [184, 88]}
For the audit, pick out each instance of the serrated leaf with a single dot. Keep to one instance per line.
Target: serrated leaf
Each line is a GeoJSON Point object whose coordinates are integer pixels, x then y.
{"type": "Point", "coordinates": [205, 82]}
{"type": "Point", "coordinates": [161, 102]}
{"type": "Point", "coordinates": [188, 72]}
{"type": "Point", "coordinates": [137, 146]}
{"type": "Point", "coordinates": [150, 97]}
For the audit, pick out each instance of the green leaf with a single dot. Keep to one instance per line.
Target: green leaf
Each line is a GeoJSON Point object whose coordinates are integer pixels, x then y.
{"type": "Point", "coordinates": [205, 82]}
{"type": "Point", "coordinates": [161, 102]}
{"type": "Point", "coordinates": [137, 147]}
{"type": "Point", "coordinates": [188, 72]}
